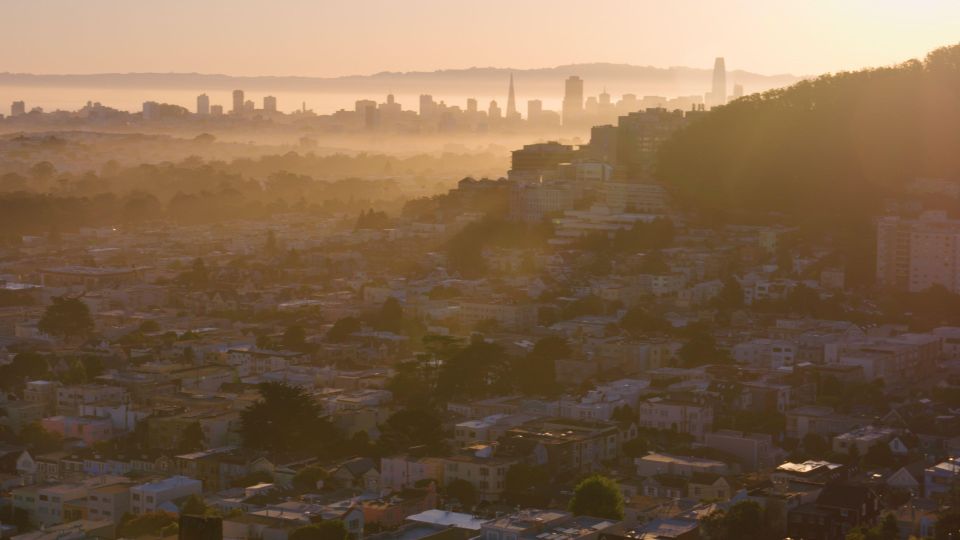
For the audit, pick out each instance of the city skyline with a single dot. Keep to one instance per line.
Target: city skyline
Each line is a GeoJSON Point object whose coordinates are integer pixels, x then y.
{"type": "Point", "coordinates": [802, 39]}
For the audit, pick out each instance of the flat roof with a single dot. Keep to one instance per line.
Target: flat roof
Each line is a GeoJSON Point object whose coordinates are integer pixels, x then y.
{"type": "Point", "coordinates": [449, 519]}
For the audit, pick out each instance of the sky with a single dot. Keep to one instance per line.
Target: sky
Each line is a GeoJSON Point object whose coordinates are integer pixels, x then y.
{"type": "Point", "coordinates": [347, 37]}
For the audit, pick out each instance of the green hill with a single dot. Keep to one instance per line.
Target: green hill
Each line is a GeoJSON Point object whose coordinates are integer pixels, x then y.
{"type": "Point", "coordinates": [824, 152]}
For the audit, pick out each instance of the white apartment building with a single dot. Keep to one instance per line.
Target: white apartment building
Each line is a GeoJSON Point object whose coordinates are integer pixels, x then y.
{"type": "Point", "coordinates": [680, 416]}
{"type": "Point", "coordinates": [916, 254]}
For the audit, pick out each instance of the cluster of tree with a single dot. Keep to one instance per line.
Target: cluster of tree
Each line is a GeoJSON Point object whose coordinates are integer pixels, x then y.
{"type": "Point", "coordinates": [598, 496]}
{"type": "Point", "coordinates": [287, 420]}
{"type": "Point", "coordinates": [487, 197]}
{"type": "Point", "coordinates": [887, 529]}
{"type": "Point", "coordinates": [190, 192]}
{"type": "Point", "coordinates": [743, 520]}
{"type": "Point", "coordinates": [331, 529]}
{"type": "Point", "coordinates": [465, 249]}
{"type": "Point", "coordinates": [372, 220]}
{"type": "Point", "coordinates": [823, 153]}
{"type": "Point", "coordinates": [161, 524]}
{"type": "Point", "coordinates": [655, 235]}
{"type": "Point", "coordinates": [450, 368]}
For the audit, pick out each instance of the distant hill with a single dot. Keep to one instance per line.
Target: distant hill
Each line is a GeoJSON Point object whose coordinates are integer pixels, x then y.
{"type": "Point", "coordinates": [617, 78]}
{"type": "Point", "coordinates": [825, 153]}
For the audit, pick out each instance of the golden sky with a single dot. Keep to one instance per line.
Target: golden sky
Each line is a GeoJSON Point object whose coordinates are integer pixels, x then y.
{"type": "Point", "coordinates": [342, 37]}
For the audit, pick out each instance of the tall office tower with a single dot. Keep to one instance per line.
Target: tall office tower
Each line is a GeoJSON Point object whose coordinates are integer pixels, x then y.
{"type": "Point", "coordinates": [237, 101]}
{"type": "Point", "coordinates": [534, 109]}
{"type": "Point", "coordinates": [216, 110]}
{"type": "Point", "coordinates": [18, 108]}
{"type": "Point", "coordinates": [471, 105]}
{"type": "Point", "coordinates": [270, 104]}
{"type": "Point", "coordinates": [604, 99]}
{"type": "Point", "coordinates": [494, 111]}
{"type": "Point", "coordinates": [718, 94]}
{"type": "Point", "coordinates": [427, 106]}
{"type": "Point", "coordinates": [203, 104]}
{"type": "Point", "coordinates": [737, 91]}
{"type": "Point", "coordinates": [249, 106]}
{"type": "Point", "coordinates": [572, 100]}
{"type": "Point", "coordinates": [511, 101]}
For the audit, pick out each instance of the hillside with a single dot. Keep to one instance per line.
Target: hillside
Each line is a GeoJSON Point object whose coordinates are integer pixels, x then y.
{"type": "Point", "coordinates": [824, 152]}
{"type": "Point", "coordinates": [619, 78]}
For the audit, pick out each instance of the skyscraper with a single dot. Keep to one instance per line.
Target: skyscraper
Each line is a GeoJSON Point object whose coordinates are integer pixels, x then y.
{"type": "Point", "coordinates": [270, 104]}
{"type": "Point", "coordinates": [511, 101]}
{"type": "Point", "coordinates": [237, 101]}
{"type": "Point", "coordinates": [493, 113]}
{"type": "Point", "coordinates": [718, 94]}
{"type": "Point", "coordinates": [737, 91]}
{"type": "Point", "coordinates": [534, 109]}
{"type": "Point", "coordinates": [471, 105]}
{"type": "Point", "coordinates": [18, 108]}
{"type": "Point", "coordinates": [572, 100]}
{"type": "Point", "coordinates": [203, 104]}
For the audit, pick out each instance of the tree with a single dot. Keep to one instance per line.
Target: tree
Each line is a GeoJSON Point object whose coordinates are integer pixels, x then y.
{"type": "Point", "coordinates": [38, 439]}
{"type": "Point", "coordinates": [742, 520]}
{"type": "Point", "coordinates": [880, 455]}
{"type": "Point", "coordinates": [536, 374]}
{"type": "Point", "coordinates": [525, 485]}
{"type": "Point", "coordinates": [390, 317]}
{"type": "Point", "coordinates": [597, 496]}
{"type": "Point", "coordinates": [639, 321]}
{"type": "Point", "coordinates": [464, 492]}
{"type": "Point", "coordinates": [343, 328]}
{"type": "Point", "coordinates": [67, 317]}
{"type": "Point", "coordinates": [480, 369]}
{"type": "Point", "coordinates": [25, 365]}
{"type": "Point", "coordinates": [194, 505]}
{"type": "Point", "coordinates": [295, 338]}
{"type": "Point", "coordinates": [192, 438]}
{"type": "Point", "coordinates": [306, 478]}
{"type": "Point", "coordinates": [635, 448]}
{"type": "Point", "coordinates": [700, 347]}
{"type": "Point", "coordinates": [286, 419]}
{"type": "Point", "coordinates": [332, 529]}
{"type": "Point", "coordinates": [409, 428]}
{"type": "Point", "coordinates": [150, 523]}
{"type": "Point", "coordinates": [948, 526]}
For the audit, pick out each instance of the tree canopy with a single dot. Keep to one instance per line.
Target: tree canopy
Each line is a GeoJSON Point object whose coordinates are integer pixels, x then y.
{"type": "Point", "coordinates": [597, 496]}
{"type": "Point", "coordinates": [286, 419]}
{"type": "Point", "coordinates": [66, 317]}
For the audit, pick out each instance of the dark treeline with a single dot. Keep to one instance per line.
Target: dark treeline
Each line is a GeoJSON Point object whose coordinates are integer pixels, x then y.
{"type": "Point", "coordinates": [825, 152]}
{"type": "Point", "coordinates": [41, 200]}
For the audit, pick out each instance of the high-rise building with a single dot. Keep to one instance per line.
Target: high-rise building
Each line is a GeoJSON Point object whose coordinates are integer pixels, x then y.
{"type": "Point", "coordinates": [494, 112]}
{"type": "Point", "coordinates": [216, 110]}
{"type": "Point", "coordinates": [604, 99]}
{"type": "Point", "coordinates": [427, 106]}
{"type": "Point", "coordinates": [572, 100]}
{"type": "Point", "coordinates": [270, 104]}
{"type": "Point", "coordinates": [534, 109]}
{"type": "Point", "coordinates": [916, 254]}
{"type": "Point", "coordinates": [249, 106]}
{"type": "Point", "coordinates": [737, 91]}
{"type": "Point", "coordinates": [203, 104]}
{"type": "Point", "coordinates": [471, 105]}
{"type": "Point", "coordinates": [639, 135]}
{"type": "Point", "coordinates": [237, 102]}
{"type": "Point", "coordinates": [18, 108]}
{"type": "Point", "coordinates": [512, 102]}
{"type": "Point", "coordinates": [718, 93]}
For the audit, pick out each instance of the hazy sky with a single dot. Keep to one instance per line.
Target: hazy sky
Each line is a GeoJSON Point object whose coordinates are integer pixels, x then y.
{"type": "Point", "coordinates": [341, 37]}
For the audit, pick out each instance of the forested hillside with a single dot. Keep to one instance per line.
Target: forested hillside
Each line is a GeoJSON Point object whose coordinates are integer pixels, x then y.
{"type": "Point", "coordinates": [825, 152]}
